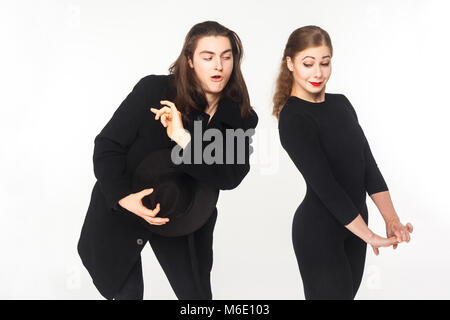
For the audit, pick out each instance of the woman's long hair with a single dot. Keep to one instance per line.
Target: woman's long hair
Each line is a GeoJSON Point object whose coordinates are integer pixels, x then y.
{"type": "Point", "coordinates": [188, 89]}
{"type": "Point", "coordinates": [299, 40]}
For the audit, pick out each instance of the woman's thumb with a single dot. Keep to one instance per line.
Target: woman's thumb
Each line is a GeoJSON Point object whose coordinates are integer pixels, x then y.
{"type": "Point", "coordinates": [392, 240]}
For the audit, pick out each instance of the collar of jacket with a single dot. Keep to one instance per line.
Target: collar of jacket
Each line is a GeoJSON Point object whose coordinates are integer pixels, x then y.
{"type": "Point", "coordinates": [228, 112]}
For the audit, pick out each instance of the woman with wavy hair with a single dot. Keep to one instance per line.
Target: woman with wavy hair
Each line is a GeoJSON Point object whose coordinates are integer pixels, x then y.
{"type": "Point", "coordinates": [205, 85]}
{"type": "Point", "coordinates": [321, 134]}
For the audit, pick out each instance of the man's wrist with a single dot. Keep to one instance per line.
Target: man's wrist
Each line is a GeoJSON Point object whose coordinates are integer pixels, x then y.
{"type": "Point", "coordinates": [182, 137]}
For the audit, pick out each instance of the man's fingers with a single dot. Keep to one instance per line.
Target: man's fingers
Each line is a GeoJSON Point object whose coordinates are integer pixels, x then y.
{"type": "Point", "coordinates": [163, 110]}
{"type": "Point", "coordinates": [157, 220]}
{"type": "Point", "coordinates": [164, 120]}
{"type": "Point", "coordinates": [154, 221]}
{"type": "Point", "coordinates": [154, 212]}
{"type": "Point", "coordinates": [169, 103]}
{"type": "Point", "coordinates": [145, 192]}
{"type": "Point", "coordinates": [158, 112]}
{"type": "Point", "coordinates": [157, 209]}
{"type": "Point", "coordinates": [150, 218]}
{"type": "Point", "coordinates": [148, 212]}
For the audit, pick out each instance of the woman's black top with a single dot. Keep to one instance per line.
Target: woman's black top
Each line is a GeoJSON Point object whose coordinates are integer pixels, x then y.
{"type": "Point", "coordinates": [328, 146]}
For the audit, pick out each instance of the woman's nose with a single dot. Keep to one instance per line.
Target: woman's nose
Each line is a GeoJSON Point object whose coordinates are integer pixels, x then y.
{"type": "Point", "coordinates": [318, 72]}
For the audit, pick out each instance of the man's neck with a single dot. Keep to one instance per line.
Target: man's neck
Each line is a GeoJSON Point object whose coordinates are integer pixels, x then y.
{"type": "Point", "coordinates": [213, 101]}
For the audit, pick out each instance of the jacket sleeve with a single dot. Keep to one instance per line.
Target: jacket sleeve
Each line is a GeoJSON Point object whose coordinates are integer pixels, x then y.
{"type": "Point", "coordinates": [113, 142]}
{"type": "Point", "coordinates": [299, 137]}
{"type": "Point", "coordinates": [224, 176]}
{"type": "Point", "coordinates": [374, 180]}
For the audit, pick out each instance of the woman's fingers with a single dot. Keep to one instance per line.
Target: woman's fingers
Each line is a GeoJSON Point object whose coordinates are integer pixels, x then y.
{"type": "Point", "coordinates": [409, 229]}
{"type": "Point", "coordinates": [379, 241]}
{"type": "Point", "coordinates": [375, 250]}
{"type": "Point", "coordinates": [395, 246]}
{"type": "Point", "coordinates": [402, 235]}
{"type": "Point", "coordinates": [390, 241]}
{"type": "Point", "coordinates": [398, 234]}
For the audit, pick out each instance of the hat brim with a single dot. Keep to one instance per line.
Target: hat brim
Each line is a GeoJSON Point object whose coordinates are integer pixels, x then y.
{"type": "Point", "coordinates": [202, 206]}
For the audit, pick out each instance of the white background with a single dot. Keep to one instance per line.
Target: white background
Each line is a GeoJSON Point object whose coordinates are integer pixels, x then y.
{"type": "Point", "coordinates": [67, 65]}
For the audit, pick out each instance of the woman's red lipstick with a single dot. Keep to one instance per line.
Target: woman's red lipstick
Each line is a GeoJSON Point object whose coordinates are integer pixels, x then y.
{"type": "Point", "coordinates": [316, 84]}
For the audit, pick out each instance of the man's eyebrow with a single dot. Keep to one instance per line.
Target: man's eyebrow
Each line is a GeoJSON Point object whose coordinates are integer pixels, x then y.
{"type": "Point", "coordinates": [315, 58]}
{"type": "Point", "coordinates": [210, 52]}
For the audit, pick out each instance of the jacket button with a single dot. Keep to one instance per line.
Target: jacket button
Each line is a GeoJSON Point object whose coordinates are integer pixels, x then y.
{"type": "Point", "coordinates": [140, 241]}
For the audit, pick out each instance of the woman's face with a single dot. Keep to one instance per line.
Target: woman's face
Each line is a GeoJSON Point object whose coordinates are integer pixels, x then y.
{"type": "Point", "coordinates": [311, 69]}
{"type": "Point", "coordinates": [213, 63]}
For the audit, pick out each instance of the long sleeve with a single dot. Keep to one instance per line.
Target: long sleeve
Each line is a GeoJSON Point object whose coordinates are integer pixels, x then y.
{"type": "Point", "coordinates": [113, 142]}
{"type": "Point", "coordinates": [223, 176]}
{"type": "Point", "coordinates": [299, 137]}
{"type": "Point", "coordinates": [374, 181]}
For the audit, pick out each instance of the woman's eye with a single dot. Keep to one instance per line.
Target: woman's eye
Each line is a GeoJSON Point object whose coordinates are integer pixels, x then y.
{"type": "Point", "coordinates": [309, 65]}
{"type": "Point", "coordinates": [208, 59]}
{"type": "Point", "coordinates": [227, 58]}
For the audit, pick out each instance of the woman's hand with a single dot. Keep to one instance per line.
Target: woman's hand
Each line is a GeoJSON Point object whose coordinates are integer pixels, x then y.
{"type": "Point", "coordinates": [377, 241]}
{"type": "Point", "coordinates": [359, 227]}
{"type": "Point", "coordinates": [395, 228]}
{"type": "Point", "coordinates": [133, 203]}
{"type": "Point", "coordinates": [171, 119]}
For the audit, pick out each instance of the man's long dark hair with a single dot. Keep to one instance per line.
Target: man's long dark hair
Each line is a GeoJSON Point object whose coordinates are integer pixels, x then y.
{"type": "Point", "coordinates": [188, 90]}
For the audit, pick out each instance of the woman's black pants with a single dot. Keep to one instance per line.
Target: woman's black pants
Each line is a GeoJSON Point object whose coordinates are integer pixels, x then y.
{"type": "Point", "coordinates": [186, 261]}
{"type": "Point", "coordinates": [330, 258]}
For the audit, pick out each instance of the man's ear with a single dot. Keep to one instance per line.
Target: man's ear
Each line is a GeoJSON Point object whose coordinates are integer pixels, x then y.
{"type": "Point", "coordinates": [289, 63]}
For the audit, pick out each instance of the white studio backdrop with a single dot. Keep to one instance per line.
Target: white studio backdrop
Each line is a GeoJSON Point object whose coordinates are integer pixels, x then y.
{"type": "Point", "coordinates": [67, 65]}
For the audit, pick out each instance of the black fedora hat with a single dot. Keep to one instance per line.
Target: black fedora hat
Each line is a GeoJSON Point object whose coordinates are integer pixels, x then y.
{"type": "Point", "coordinates": [187, 202]}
